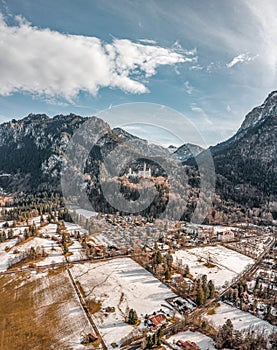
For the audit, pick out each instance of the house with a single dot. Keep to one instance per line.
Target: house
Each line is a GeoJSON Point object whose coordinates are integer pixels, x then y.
{"type": "Point", "coordinates": [244, 296]}
{"type": "Point", "coordinates": [90, 338]}
{"type": "Point", "coordinates": [96, 250]}
{"type": "Point", "coordinates": [156, 321]}
{"type": "Point", "coordinates": [187, 345]}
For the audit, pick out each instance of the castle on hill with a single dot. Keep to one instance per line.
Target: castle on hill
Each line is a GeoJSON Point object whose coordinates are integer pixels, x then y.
{"type": "Point", "coordinates": [145, 173]}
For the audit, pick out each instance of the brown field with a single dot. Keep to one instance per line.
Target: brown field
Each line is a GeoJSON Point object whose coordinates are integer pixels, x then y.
{"type": "Point", "coordinates": [35, 312]}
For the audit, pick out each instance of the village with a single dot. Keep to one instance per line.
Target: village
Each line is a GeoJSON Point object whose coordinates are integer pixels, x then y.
{"type": "Point", "coordinates": [140, 283]}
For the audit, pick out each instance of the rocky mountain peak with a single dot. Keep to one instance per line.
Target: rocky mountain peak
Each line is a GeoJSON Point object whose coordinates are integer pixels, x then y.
{"type": "Point", "coordinates": [35, 118]}
{"type": "Point", "coordinates": [124, 134]}
{"type": "Point", "coordinates": [259, 114]}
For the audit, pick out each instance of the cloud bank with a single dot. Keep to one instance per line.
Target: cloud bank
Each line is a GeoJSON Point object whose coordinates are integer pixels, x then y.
{"type": "Point", "coordinates": [50, 63]}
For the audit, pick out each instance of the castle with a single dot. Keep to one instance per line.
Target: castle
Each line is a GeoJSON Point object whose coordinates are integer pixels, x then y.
{"type": "Point", "coordinates": [145, 173]}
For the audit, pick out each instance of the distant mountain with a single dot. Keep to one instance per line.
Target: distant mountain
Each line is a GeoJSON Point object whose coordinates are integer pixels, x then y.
{"type": "Point", "coordinates": [172, 148]}
{"type": "Point", "coordinates": [186, 151]}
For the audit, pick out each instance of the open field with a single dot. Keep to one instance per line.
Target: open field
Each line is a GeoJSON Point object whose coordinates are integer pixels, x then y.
{"type": "Point", "coordinates": [240, 319]}
{"type": "Point", "coordinates": [225, 264]}
{"type": "Point", "coordinates": [50, 247]}
{"type": "Point", "coordinates": [40, 311]}
{"type": "Point", "coordinates": [120, 283]}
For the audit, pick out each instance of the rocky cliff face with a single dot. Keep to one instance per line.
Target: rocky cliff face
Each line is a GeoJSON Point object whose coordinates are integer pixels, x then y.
{"type": "Point", "coordinates": [246, 164]}
{"type": "Point", "coordinates": [259, 114]}
{"type": "Point", "coordinates": [31, 150]}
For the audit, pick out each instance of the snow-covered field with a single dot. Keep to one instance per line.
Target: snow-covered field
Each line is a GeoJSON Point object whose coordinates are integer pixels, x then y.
{"type": "Point", "coordinates": [123, 284]}
{"type": "Point", "coordinates": [228, 263]}
{"type": "Point", "coordinates": [49, 230]}
{"type": "Point", "coordinates": [241, 320]}
{"type": "Point", "coordinates": [46, 242]}
{"type": "Point", "coordinates": [71, 227]}
{"type": "Point", "coordinates": [86, 213]}
{"type": "Point", "coordinates": [76, 251]}
{"type": "Point", "coordinates": [51, 248]}
{"type": "Point", "coordinates": [204, 342]}
{"type": "Point", "coordinates": [5, 257]}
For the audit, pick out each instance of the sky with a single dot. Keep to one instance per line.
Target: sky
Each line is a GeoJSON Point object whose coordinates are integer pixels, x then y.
{"type": "Point", "coordinates": [211, 61]}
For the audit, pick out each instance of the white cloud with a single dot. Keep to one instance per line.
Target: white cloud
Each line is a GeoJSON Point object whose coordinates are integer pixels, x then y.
{"type": "Point", "coordinates": [177, 47]}
{"type": "Point", "coordinates": [243, 57]}
{"type": "Point", "coordinates": [196, 67]}
{"type": "Point", "coordinates": [188, 88]}
{"type": "Point", "coordinates": [228, 109]}
{"type": "Point", "coordinates": [46, 62]}
{"type": "Point", "coordinates": [200, 111]}
{"type": "Point", "coordinates": [147, 41]}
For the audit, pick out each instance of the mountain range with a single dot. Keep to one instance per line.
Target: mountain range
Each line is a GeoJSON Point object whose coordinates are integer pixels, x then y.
{"type": "Point", "coordinates": [32, 151]}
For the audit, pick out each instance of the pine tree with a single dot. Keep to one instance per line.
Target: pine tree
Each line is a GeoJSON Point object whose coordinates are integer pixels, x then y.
{"type": "Point", "coordinates": [132, 317]}
{"type": "Point", "coordinates": [158, 257]}
{"type": "Point", "coordinates": [149, 342]}
{"type": "Point", "coordinates": [205, 288]}
{"type": "Point", "coordinates": [211, 289]}
{"type": "Point", "coordinates": [167, 275]}
{"type": "Point", "coordinates": [200, 296]}
{"type": "Point", "coordinates": [26, 234]}
{"type": "Point", "coordinates": [227, 330]}
{"type": "Point", "coordinates": [186, 272]}
{"type": "Point", "coordinates": [65, 249]}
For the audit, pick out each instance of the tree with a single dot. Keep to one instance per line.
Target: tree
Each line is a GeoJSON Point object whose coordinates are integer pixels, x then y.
{"type": "Point", "coordinates": [200, 299]}
{"type": "Point", "coordinates": [10, 234]}
{"type": "Point", "coordinates": [205, 288]}
{"type": "Point", "coordinates": [132, 317]}
{"type": "Point", "coordinates": [228, 333]}
{"type": "Point", "coordinates": [65, 249]}
{"type": "Point", "coordinates": [149, 342]}
{"type": "Point", "coordinates": [186, 271]}
{"type": "Point", "coordinates": [167, 274]}
{"type": "Point", "coordinates": [159, 336]}
{"type": "Point", "coordinates": [255, 304]}
{"type": "Point", "coordinates": [6, 225]}
{"type": "Point", "coordinates": [169, 260]}
{"type": "Point", "coordinates": [224, 338]}
{"type": "Point", "coordinates": [158, 257]}
{"type": "Point", "coordinates": [26, 233]}
{"type": "Point", "coordinates": [211, 289]}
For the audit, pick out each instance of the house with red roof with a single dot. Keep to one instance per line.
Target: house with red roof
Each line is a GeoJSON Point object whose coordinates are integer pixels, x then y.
{"type": "Point", "coordinates": [156, 321]}
{"type": "Point", "coordinates": [187, 345]}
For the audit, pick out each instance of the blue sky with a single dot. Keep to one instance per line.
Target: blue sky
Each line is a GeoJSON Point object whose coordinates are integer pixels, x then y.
{"type": "Point", "coordinates": [211, 60]}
